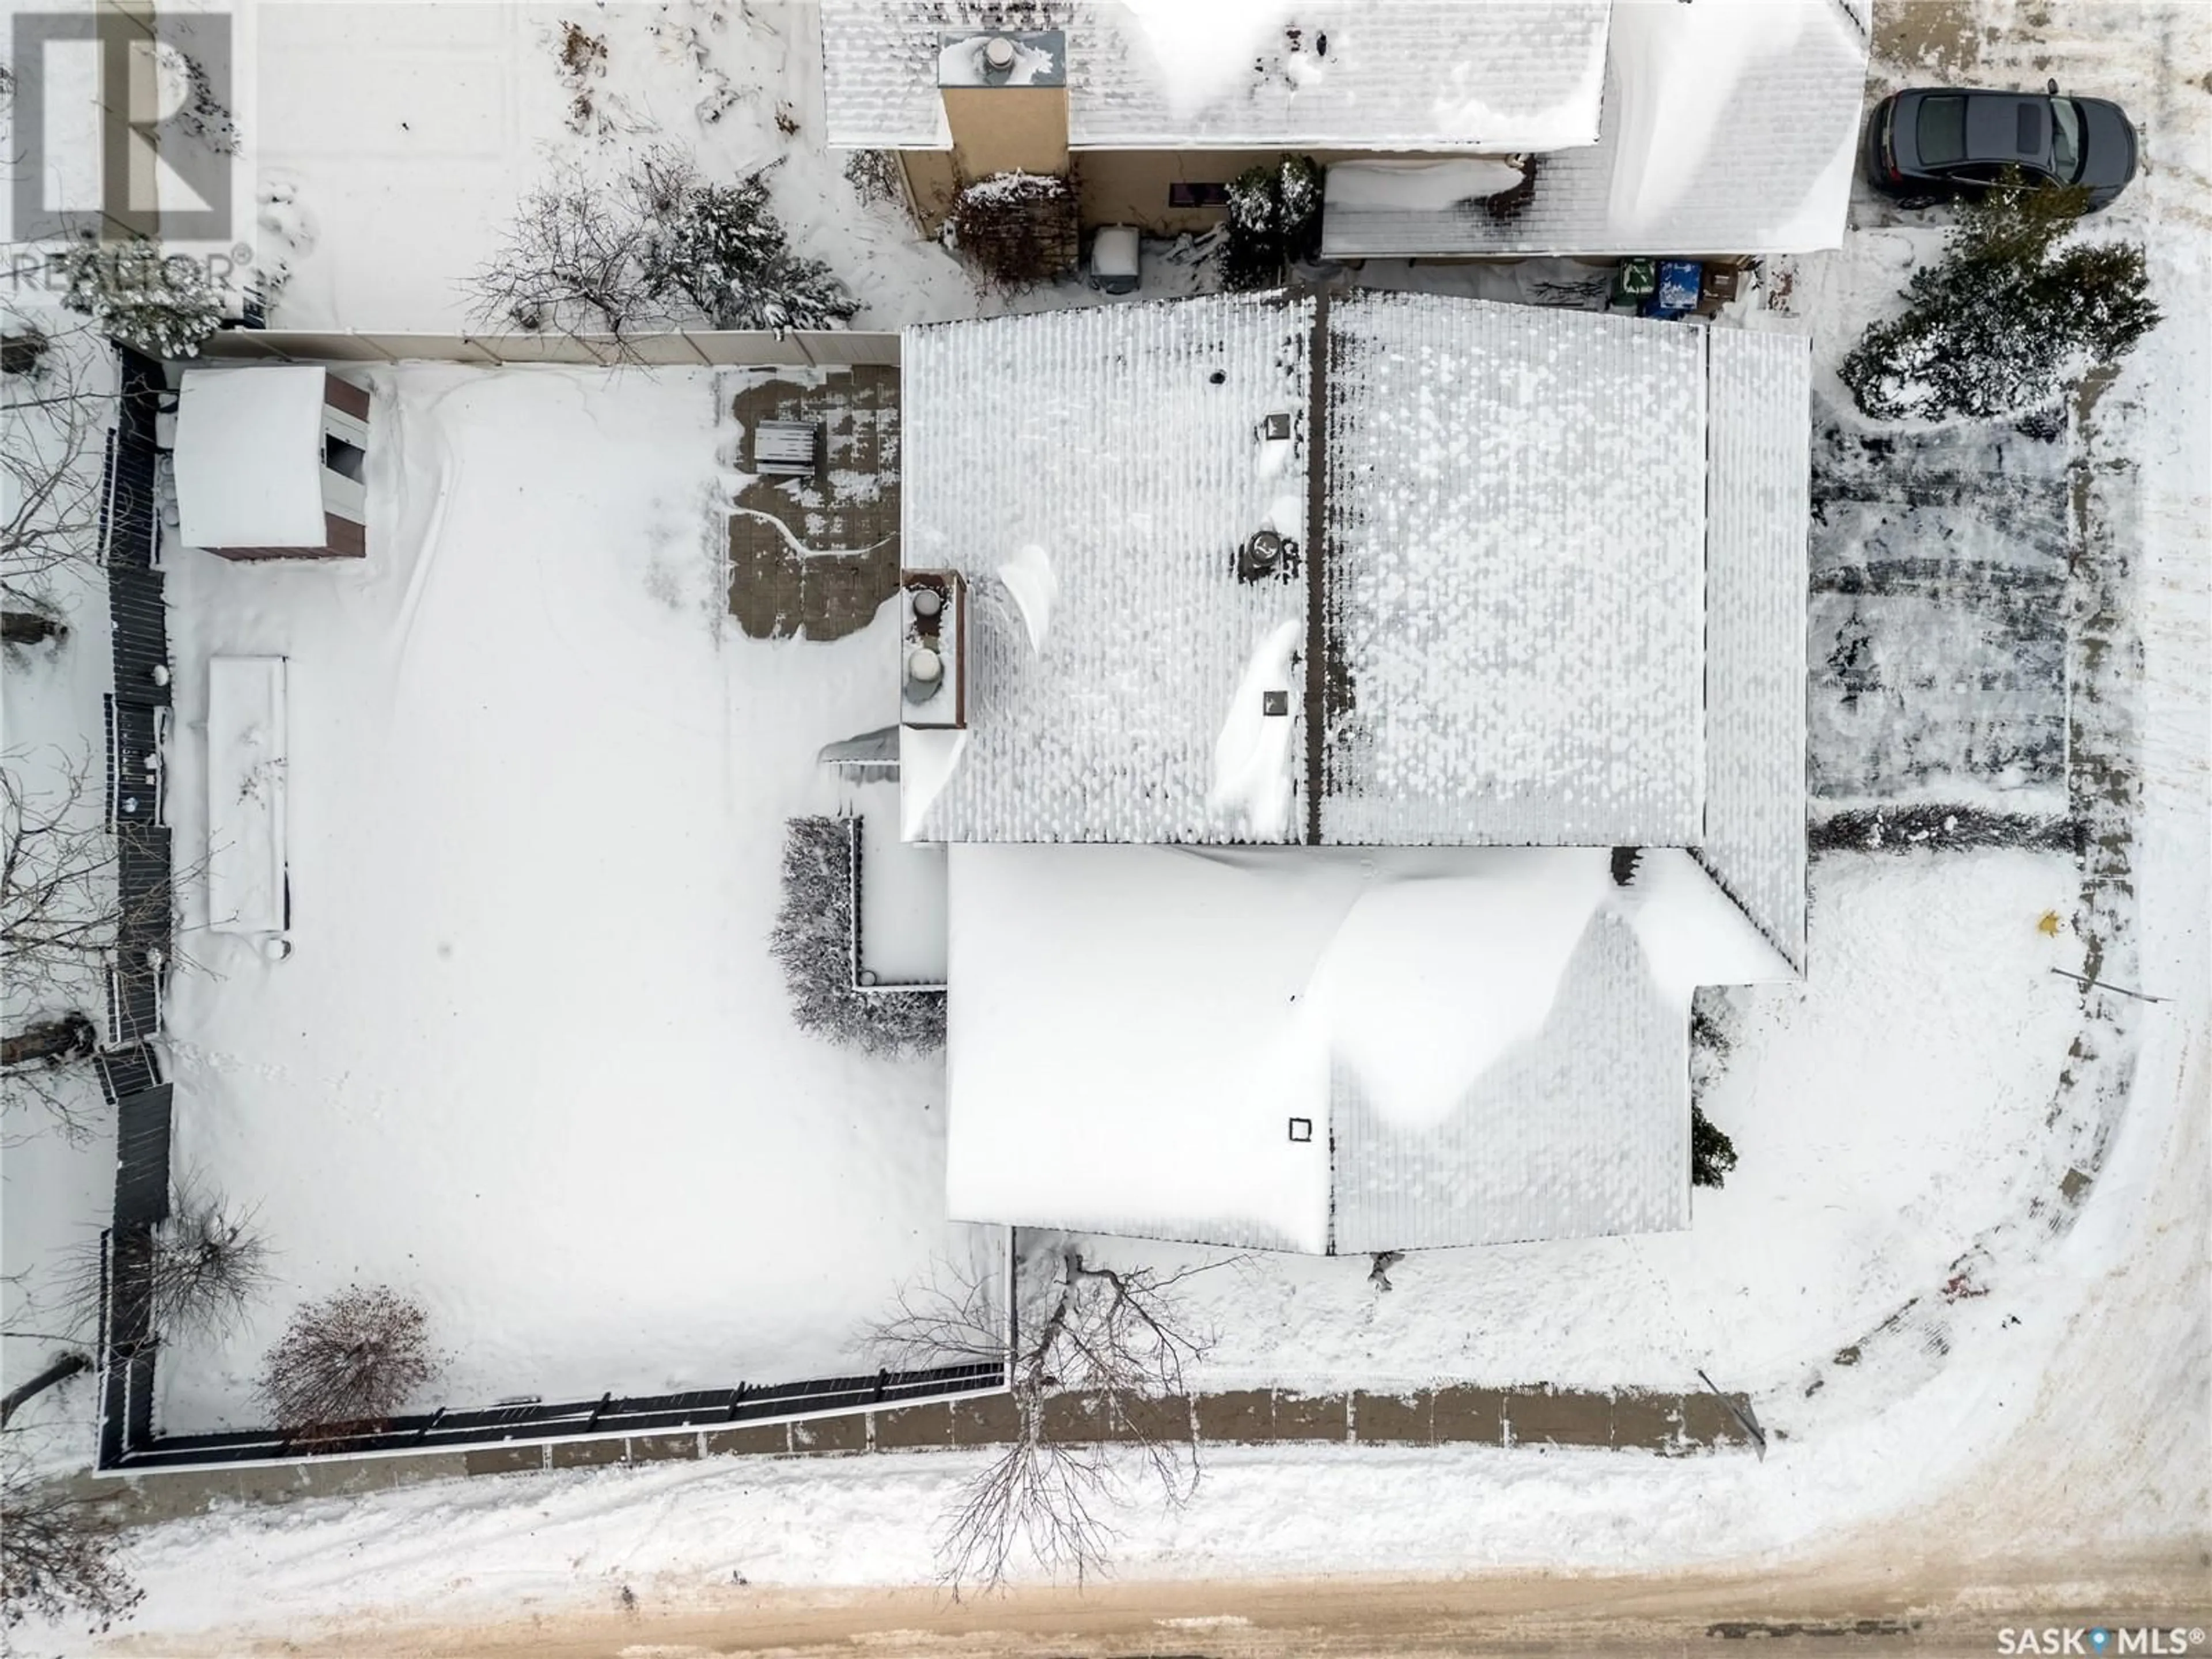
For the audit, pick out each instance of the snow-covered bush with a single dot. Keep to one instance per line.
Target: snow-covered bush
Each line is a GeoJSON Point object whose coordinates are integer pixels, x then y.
{"type": "Point", "coordinates": [813, 941]}
{"type": "Point", "coordinates": [347, 1363]}
{"type": "Point", "coordinates": [721, 249]}
{"type": "Point", "coordinates": [1252, 251]}
{"type": "Point", "coordinates": [1713, 1016]}
{"type": "Point", "coordinates": [1712, 1154]}
{"type": "Point", "coordinates": [660, 246]}
{"type": "Point", "coordinates": [874, 177]}
{"type": "Point", "coordinates": [1274, 217]}
{"type": "Point", "coordinates": [2008, 317]}
{"type": "Point", "coordinates": [1299, 180]}
{"type": "Point", "coordinates": [160, 304]}
{"type": "Point", "coordinates": [1018, 228]}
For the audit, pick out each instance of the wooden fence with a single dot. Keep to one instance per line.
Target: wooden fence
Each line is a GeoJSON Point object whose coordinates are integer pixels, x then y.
{"type": "Point", "coordinates": [677, 347]}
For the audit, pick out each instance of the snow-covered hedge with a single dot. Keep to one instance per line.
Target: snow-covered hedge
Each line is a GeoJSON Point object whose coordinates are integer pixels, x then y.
{"type": "Point", "coordinates": [813, 941]}
{"type": "Point", "coordinates": [1017, 227]}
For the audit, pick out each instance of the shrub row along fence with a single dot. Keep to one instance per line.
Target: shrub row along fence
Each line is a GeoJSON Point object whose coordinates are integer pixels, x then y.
{"type": "Point", "coordinates": [130, 1074]}
{"type": "Point", "coordinates": [668, 349]}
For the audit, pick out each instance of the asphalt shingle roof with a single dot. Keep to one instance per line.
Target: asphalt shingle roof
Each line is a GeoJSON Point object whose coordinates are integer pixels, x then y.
{"type": "Point", "coordinates": [1406, 74]}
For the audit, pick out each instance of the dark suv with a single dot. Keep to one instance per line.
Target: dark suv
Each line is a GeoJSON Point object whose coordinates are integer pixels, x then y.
{"type": "Point", "coordinates": [1930, 142]}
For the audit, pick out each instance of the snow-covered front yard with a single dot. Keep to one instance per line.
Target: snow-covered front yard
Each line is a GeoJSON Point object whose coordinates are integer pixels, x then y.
{"type": "Point", "coordinates": [1885, 1112]}
{"type": "Point", "coordinates": [529, 1057]}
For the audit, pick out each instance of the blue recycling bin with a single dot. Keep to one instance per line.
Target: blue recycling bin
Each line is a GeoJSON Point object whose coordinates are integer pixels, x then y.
{"type": "Point", "coordinates": [1677, 291]}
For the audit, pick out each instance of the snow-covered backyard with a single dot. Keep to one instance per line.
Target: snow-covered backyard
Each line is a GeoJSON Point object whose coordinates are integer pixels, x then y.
{"type": "Point", "coordinates": [528, 1056]}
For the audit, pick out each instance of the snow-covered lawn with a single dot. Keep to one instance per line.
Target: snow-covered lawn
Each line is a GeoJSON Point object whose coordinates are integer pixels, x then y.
{"type": "Point", "coordinates": [1885, 1112]}
{"type": "Point", "coordinates": [529, 1057]}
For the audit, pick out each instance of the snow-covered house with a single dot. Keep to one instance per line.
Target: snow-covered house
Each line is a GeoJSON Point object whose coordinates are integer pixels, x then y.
{"type": "Point", "coordinates": [269, 463]}
{"type": "Point", "coordinates": [1590, 127]}
{"type": "Point", "coordinates": [1436, 668]}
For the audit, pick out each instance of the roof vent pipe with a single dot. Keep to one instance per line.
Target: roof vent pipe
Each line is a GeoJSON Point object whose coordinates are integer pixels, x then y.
{"type": "Point", "coordinates": [998, 58]}
{"type": "Point", "coordinates": [925, 674]}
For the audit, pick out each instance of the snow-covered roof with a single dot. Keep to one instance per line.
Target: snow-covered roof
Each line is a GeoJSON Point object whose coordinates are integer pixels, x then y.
{"type": "Point", "coordinates": [1508, 632]}
{"type": "Point", "coordinates": [1125, 444]}
{"type": "Point", "coordinates": [1515, 582]}
{"type": "Point", "coordinates": [1730, 126]}
{"type": "Point", "coordinates": [1483, 1045]}
{"type": "Point", "coordinates": [249, 457]}
{"type": "Point", "coordinates": [1416, 75]}
{"type": "Point", "coordinates": [1758, 502]}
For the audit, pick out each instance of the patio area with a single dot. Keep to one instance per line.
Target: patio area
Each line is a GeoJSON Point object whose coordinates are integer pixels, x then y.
{"type": "Point", "coordinates": [812, 557]}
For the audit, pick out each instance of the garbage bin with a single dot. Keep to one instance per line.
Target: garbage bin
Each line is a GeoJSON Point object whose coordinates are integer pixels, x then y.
{"type": "Point", "coordinates": [1633, 281]}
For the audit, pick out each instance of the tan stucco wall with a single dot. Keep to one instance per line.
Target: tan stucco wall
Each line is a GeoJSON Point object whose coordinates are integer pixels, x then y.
{"type": "Point", "coordinates": [1118, 186]}
{"type": "Point", "coordinates": [1007, 129]}
{"type": "Point", "coordinates": [1130, 186]}
{"type": "Point", "coordinates": [932, 180]}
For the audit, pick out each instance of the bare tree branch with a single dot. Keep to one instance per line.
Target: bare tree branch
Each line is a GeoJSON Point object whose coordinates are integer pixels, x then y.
{"type": "Point", "coordinates": [1113, 1347]}
{"type": "Point", "coordinates": [58, 400]}
{"type": "Point", "coordinates": [58, 1553]}
{"type": "Point", "coordinates": [62, 918]}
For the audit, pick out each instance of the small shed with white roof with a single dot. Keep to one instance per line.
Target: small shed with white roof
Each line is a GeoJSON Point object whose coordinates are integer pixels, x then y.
{"type": "Point", "coordinates": [270, 462]}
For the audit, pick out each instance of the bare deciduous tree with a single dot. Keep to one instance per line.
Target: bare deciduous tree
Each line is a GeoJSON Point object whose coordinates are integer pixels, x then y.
{"type": "Point", "coordinates": [201, 1270]}
{"type": "Point", "coordinates": [64, 917]}
{"type": "Point", "coordinates": [571, 261]}
{"type": "Point", "coordinates": [1112, 1345]}
{"type": "Point", "coordinates": [60, 919]}
{"type": "Point", "coordinates": [59, 399]}
{"type": "Point", "coordinates": [58, 1553]}
{"type": "Point", "coordinates": [347, 1363]}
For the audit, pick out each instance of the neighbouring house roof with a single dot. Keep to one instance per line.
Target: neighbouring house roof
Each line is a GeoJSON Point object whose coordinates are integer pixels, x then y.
{"type": "Point", "coordinates": [248, 461]}
{"type": "Point", "coordinates": [1730, 126]}
{"type": "Point", "coordinates": [1560, 599]}
{"type": "Point", "coordinates": [1487, 1045]}
{"type": "Point", "coordinates": [1418, 74]}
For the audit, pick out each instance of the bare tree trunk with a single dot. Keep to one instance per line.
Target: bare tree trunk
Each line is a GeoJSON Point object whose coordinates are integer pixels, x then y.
{"type": "Point", "coordinates": [51, 1040]}
{"type": "Point", "coordinates": [30, 628]}
{"type": "Point", "coordinates": [64, 1367]}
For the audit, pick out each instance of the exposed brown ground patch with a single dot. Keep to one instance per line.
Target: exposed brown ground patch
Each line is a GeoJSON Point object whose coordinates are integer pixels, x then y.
{"type": "Point", "coordinates": [1939, 37]}
{"type": "Point", "coordinates": [814, 557]}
